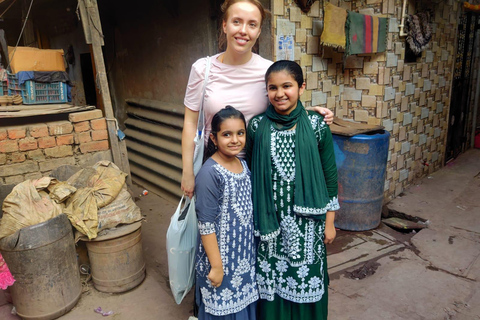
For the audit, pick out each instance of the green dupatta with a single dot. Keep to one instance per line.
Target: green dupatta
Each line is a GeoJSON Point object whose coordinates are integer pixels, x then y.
{"type": "Point", "coordinates": [310, 198]}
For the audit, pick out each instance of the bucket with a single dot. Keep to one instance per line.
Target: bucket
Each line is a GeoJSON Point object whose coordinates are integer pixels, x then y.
{"type": "Point", "coordinates": [116, 259]}
{"type": "Point", "coordinates": [361, 163]}
{"type": "Point", "coordinates": [43, 262]}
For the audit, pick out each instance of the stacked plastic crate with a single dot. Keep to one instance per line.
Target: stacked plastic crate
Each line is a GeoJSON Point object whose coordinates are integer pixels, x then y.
{"type": "Point", "coordinates": [29, 61]}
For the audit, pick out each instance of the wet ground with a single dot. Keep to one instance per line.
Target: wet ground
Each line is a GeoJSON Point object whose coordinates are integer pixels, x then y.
{"type": "Point", "coordinates": [379, 274]}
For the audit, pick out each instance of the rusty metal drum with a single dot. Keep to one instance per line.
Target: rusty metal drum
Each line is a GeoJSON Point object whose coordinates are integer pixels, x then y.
{"type": "Point", "coordinates": [43, 261]}
{"type": "Point", "coordinates": [116, 259]}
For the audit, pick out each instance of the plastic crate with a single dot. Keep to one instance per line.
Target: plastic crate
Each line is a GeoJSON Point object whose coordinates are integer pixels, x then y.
{"type": "Point", "coordinates": [34, 92]}
{"type": "Point", "coordinates": [4, 88]}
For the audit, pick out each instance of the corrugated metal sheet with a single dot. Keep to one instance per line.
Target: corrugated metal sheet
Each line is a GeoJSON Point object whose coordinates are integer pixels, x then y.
{"type": "Point", "coordinates": [154, 133]}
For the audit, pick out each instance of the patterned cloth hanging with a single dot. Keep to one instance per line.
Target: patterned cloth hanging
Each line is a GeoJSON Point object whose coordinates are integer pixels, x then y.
{"type": "Point", "coordinates": [419, 31]}
{"type": "Point", "coordinates": [365, 34]}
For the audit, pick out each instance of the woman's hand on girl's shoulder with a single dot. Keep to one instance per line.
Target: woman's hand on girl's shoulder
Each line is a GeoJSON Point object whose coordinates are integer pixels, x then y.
{"type": "Point", "coordinates": [325, 112]}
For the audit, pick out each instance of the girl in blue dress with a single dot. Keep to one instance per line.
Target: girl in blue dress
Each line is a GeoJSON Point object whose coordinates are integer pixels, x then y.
{"type": "Point", "coordinates": [225, 261]}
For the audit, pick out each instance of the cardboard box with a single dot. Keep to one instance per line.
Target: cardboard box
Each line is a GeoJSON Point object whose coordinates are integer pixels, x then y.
{"type": "Point", "coordinates": [34, 59]}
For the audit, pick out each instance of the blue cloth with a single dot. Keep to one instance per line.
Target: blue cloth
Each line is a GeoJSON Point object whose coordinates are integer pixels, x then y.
{"type": "Point", "coordinates": [23, 76]}
{"type": "Point", "coordinates": [224, 207]}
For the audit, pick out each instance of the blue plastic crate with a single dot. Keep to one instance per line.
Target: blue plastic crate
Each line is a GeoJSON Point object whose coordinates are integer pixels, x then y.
{"type": "Point", "coordinates": [34, 92]}
{"type": "Point", "coordinates": [4, 88]}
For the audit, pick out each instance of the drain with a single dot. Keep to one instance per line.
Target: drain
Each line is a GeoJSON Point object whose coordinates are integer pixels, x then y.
{"type": "Point", "coordinates": [403, 222]}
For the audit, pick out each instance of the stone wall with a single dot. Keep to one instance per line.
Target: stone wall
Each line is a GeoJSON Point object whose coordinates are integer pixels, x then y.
{"type": "Point", "coordinates": [410, 99]}
{"type": "Point", "coordinates": [34, 150]}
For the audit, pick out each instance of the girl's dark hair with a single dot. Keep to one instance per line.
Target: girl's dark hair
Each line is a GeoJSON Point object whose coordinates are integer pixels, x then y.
{"type": "Point", "coordinates": [222, 39]}
{"type": "Point", "coordinates": [228, 112]}
{"type": "Point", "coordinates": [290, 67]}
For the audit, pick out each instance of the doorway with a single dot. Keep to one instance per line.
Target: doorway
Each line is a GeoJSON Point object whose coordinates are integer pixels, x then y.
{"type": "Point", "coordinates": [461, 87]}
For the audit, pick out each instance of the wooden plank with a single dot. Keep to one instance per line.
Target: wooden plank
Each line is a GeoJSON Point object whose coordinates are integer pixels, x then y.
{"type": "Point", "coordinates": [158, 129]}
{"type": "Point", "coordinates": [350, 128]}
{"type": "Point", "coordinates": [174, 108]}
{"type": "Point", "coordinates": [163, 118]}
{"type": "Point", "coordinates": [119, 150]}
{"type": "Point", "coordinates": [156, 141]}
{"type": "Point", "coordinates": [160, 168]}
{"type": "Point", "coordinates": [151, 179]}
{"type": "Point", "coordinates": [160, 155]}
{"type": "Point", "coordinates": [21, 111]}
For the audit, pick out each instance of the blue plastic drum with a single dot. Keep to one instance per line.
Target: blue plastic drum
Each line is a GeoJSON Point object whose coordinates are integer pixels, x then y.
{"type": "Point", "coordinates": [361, 163]}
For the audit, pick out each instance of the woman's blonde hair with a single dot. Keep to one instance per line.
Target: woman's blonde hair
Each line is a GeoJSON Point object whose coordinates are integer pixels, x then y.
{"type": "Point", "coordinates": [222, 39]}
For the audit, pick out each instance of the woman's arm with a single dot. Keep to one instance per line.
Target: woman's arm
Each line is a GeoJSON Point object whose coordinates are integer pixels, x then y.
{"type": "Point", "coordinates": [325, 112]}
{"type": "Point", "coordinates": [188, 134]}
{"type": "Point", "coordinates": [213, 253]}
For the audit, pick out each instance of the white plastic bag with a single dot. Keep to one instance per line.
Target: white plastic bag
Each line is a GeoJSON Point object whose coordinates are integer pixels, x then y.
{"type": "Point", "coordinates": [182, 237]}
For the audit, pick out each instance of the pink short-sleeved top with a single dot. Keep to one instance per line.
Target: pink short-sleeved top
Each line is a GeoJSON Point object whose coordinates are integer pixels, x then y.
{"type": "Point", "coordinates": [241, 86]}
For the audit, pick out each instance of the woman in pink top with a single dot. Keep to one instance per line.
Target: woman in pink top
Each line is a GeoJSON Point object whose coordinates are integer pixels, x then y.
{"type": "Point", "coordinates": [237, 78]}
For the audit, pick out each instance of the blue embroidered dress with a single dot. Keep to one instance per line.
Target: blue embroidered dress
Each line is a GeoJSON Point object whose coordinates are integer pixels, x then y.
{"type": "Point", "coordinates": [224, 207]}
{"type": "Point", "coordinates": [293, 265]}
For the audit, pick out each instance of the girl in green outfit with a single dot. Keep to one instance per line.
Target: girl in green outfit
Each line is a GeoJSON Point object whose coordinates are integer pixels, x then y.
{"type": "Point", "coordinates": [294, 191]}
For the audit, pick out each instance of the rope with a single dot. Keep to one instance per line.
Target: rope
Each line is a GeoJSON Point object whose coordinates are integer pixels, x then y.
{"type": "Point", "coordinates": [21, 33]}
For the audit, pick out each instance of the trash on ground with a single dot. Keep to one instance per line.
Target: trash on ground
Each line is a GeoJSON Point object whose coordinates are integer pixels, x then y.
{"type": "Point", "coordinates": [103, 313]}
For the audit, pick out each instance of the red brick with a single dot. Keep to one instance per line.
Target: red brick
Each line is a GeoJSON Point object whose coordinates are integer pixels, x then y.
{"type": "Point", "coordinates": [16, 133]}
{"type": "Point", "coordinates": [46, 142]}
{"type": "Point", "coordinates": [60, 127]}
{"type": "Point", "coordinates": [3, 134]}
{"type": "Point", "coordinates": [38, 130]}
{"type": "Point", "coordinates": [85, 115]}
{"type": "Point", "coordinates": [81, 126]}
{"type": "Point", "coordinates": [99, 124]}
{"type": "Point", "coordinates": [8, 146]}
{"type": "Point", "coordinates": [17, 157]}
{"type": "Point", "coordinates": [99, 135]}
{"type": "Point", "coordinates": [59, 152]}
{"type": "Point", "coordinates": [27, 144]}
{"type": "Point", "coordinates": [83, 137]}
{"type": "Point", "coordinates": [65, 139]}
{"type": "Point", "coordinates": [94, 146]}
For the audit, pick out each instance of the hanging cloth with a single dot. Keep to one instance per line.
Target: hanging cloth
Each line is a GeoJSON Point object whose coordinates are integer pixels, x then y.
{"type": "Point", "coordinates": [333, 34]}
{"type": "Point", "coordinates": [419, 31]}
{"type": "Point", "coordinates": [365, 34]}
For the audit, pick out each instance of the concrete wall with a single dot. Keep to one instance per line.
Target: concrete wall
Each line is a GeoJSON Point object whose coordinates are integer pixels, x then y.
{"type": "Point", "coordinates": [34, 150]}
{"type": "Point", "coordinates": [151, 45]}
{"type": "Point", "coordinates": [410, 99]}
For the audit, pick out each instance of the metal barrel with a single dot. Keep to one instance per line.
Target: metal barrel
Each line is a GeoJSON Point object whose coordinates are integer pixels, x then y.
{"type": "Point", "coordinates": [43, 261]}
{"type": "Point", "coordinates": [361, 162]}
{"type": "Point", "coordinates": [116, 259]}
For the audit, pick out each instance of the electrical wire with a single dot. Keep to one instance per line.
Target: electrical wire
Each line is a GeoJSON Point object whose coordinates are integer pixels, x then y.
{"type": "Point", "coordinates": [21, 33]}
{"type": "Point", "coordinates": [11, 4]}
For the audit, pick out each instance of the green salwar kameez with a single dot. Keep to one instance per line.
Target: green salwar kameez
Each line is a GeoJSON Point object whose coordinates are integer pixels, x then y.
{"type": "Point", "coordinates": [292, 265]}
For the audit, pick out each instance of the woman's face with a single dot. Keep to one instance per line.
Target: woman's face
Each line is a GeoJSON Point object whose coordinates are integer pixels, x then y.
{"type": "Point", "coordinates": [242, 27]}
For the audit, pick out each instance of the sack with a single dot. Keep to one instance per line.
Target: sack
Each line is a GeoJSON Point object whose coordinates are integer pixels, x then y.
{"type": "Point", "coordinates": [28, 204]}
{"type": "Point", "coordinates": [182, 237]}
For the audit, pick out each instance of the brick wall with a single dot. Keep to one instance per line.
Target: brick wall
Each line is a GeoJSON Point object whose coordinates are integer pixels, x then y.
{"type": "Point", "coordinates": [34, 150]}
{"type": "Point", "coordinates": [410, 99]}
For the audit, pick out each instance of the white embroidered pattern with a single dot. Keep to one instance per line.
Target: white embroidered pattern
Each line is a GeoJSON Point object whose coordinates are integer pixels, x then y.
{"type": "Point", "coordinates": [234, 230]}
{"type": "Point", "coordinates": [290, 264]}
